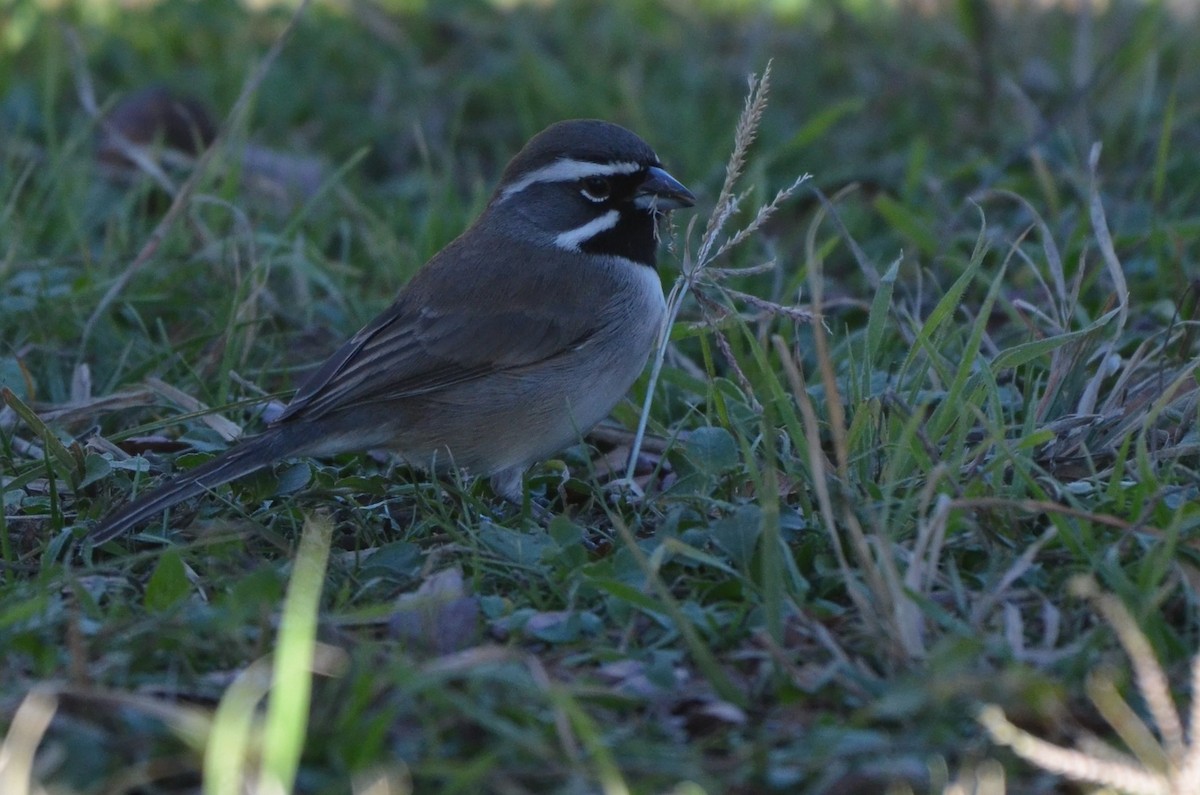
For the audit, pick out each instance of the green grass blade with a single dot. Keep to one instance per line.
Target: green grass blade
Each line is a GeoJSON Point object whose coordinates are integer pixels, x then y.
{"type": "Point", "coordinates": [287, 713]}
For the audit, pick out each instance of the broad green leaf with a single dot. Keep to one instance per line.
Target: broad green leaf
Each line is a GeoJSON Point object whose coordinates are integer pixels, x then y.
{"type": "Point", "coordinates": [168, 584]}
{"type": "Point", "coordinates": [737, 534]}
{"type": "Point", "coordinates": [711, 450]}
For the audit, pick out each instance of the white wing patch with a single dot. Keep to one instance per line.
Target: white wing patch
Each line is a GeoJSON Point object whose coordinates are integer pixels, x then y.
{"type": "Point", "coordinates": [567, 170]}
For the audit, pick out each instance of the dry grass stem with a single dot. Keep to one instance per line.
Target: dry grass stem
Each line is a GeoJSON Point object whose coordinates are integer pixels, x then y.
{"type": "Point", "coordinates": [25, 732]}
{"type": "Point", "coordinates": [1165, 766]}
{"type": "Point", "coordinates": [138, 155]}
{"type": "Point", "coordinates": [698, 276]}
{"type": "Point", "coordinates": [184, 194]}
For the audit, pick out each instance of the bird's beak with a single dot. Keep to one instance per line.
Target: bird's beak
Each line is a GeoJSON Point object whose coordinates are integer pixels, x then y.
{"type": "Point", "coordinates": [660, 191]}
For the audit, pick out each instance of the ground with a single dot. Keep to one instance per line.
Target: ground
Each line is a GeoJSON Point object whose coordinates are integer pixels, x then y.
{"type": "Point", "coordinates": [872, 472]}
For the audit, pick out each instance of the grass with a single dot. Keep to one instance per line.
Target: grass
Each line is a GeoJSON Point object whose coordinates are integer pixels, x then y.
{"type": "Point", "coordinates": [855, 521]}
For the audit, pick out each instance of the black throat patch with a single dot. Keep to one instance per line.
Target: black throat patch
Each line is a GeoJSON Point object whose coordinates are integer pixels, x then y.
{"type": "Point", "coordinates": [633, 237]}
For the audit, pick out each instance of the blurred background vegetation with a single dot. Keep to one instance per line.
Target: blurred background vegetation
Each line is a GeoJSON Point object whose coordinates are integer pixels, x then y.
{"type": "Point", "coordinates": [422, 103]}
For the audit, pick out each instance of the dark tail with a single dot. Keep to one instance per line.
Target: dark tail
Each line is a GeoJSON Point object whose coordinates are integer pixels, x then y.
{"type": "Point", "coordinates": [249, 456]}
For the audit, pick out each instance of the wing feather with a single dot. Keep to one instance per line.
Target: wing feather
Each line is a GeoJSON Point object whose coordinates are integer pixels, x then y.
{"type": "Point", "coordinates": [430, 339]}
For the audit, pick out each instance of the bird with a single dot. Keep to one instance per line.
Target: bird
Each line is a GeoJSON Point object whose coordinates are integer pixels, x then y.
{"type": "Point", "coordinates": [505, 347]}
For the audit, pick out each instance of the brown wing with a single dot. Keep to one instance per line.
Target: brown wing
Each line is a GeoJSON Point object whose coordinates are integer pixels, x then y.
{"type": "Point", "coordinates": [429, 339]}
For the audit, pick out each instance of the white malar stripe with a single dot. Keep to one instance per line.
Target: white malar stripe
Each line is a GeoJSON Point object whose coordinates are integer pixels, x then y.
{"type": "Point", "coordinates": [567, 170]}
{"type": "Point", "coordinates": [575, 238]}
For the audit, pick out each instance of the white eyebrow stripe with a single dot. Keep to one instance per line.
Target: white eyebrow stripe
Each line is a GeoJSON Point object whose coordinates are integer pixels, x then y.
{"type": "Point", "coordinates": [567, 170]}
{"type": "Point", "coordinates": [574, 239]}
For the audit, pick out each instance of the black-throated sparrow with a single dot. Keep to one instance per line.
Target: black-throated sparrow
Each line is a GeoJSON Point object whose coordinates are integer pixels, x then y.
{"type": "Point", "coordinates": [508, 344]}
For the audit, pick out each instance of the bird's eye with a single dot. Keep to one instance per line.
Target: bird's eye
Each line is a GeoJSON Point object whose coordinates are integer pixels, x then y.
{"type": "Point", "coordinates": [595, 189]}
